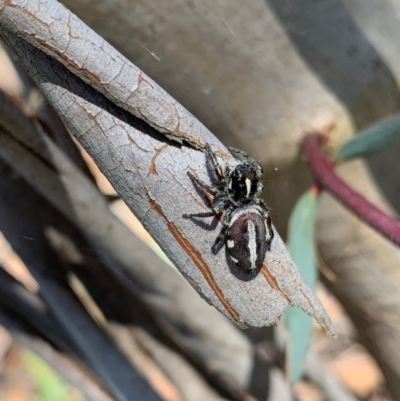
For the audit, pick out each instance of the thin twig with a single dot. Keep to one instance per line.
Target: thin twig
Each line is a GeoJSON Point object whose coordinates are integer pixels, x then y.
{"type": "Point", "coordinates": [325, 177]}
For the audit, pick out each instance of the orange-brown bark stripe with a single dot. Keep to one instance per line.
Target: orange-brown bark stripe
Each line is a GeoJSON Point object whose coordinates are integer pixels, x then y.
{"type": "Point", "coordinates": [272, 281]}
{"type": "Point", "coordinates": [153, 167]}
{"type": "Point", "coordinates": [199, 261]}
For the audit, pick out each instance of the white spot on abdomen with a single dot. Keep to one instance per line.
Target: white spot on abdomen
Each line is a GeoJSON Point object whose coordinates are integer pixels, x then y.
{"type": "Point", "coordinates": [230, 243]}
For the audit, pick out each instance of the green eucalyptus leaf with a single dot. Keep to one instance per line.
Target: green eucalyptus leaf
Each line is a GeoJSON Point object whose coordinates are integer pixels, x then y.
{"type": "Point", "coordinates": [50, 387]}
{"type": "Point", "coordinates": [302, 248]}
{"type": "Point", "coordinates": [372, 140]}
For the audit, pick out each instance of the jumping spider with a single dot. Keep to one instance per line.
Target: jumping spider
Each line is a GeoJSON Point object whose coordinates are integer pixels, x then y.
{"type": "Point", "coordinates": [247, 228]}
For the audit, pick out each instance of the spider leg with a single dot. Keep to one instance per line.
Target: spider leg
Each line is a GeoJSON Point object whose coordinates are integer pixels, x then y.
{"type": "Point", "coordinates": [223, 231]}
{"type": "Point", "coordinates": [216, 210]}
{"type": "Point", "coordinates": [204, 214]}
{"type": "Point", "coordinates": [259, 189]}
{"type": "Point", "coordinates": [214, 162]}
{"type": "Point", "coordinates": [220, 237]}
{"type": "Point", "coordinates": [201, 184]}
{"type": "Point", "coordinates": [227, 172]}
{"type": "Point", "coordinates": [269, 224]}
{"type": "Point", "coordinates": [263, 206]}
{"type": "Point", "coordinates": [271, 232]}
{"type": "Point", "coordinates": [242, 155]}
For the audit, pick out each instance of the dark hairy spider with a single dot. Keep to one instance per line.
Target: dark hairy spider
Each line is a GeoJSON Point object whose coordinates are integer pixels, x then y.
{"type": "Point", "coordinates": [247, 228]}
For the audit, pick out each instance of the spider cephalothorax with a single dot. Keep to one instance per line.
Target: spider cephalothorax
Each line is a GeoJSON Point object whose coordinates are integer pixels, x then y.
{"type": "Point", "coordinates": [247, 228]}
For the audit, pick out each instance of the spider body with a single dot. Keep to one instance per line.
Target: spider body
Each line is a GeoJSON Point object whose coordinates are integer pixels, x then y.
{"type": "Point", "coordinates": [247, 228]}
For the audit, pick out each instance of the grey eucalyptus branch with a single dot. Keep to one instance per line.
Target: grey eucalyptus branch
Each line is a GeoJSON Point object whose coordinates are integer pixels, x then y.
{"type": "Point", "coordinates": [319, 374]}
{"type": "Point", "coordinates": [168, 296]}
{"type": "Point", "coordinates": [110, 365]}
{"type": "Point", "coordinates": [88, 56]}
{"type": "Point", "coordinates": [147, 170]}
{"type": "Point", "coordinates": [36, 217]}
{"type": "Point", "coordinates": [140, 270]}
{"type": "Point", "coordinates": [88, 343]}
{"type": "Point", "coordinates": [20, 95]}
{"type": "Point", "coordinates": [73, 373]}
{"type": "Point", "coordinates": [21, 302]}
{"type": "Point", "coordinates": [57, 315]}
{"type": "Point", "coordinates": [191, 385]}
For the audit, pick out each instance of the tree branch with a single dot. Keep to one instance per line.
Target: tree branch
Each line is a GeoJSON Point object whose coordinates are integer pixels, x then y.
{"type": "Point", "coordinates": [74, 373]}
{"type": "Point", "coordinates": [138, 269]}
{"type": "Point", "coordinates": [35, 217]}
{"type": "Point", "coordinates": [146, 169]}
{"type": "Point", "coordinates": [326, 178]}
{"type": "Point", "coordinates": [361, 271]}
{"type": "Point", "coordinates": [319, 374]}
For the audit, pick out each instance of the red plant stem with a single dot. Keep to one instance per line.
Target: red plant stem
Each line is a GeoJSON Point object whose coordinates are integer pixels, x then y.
{"type": "Point", "coordinates": [326, 178]}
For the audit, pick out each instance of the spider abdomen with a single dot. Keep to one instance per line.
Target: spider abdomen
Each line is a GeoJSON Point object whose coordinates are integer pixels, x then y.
{"type": "Point", "coordinates": [247, 239]}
